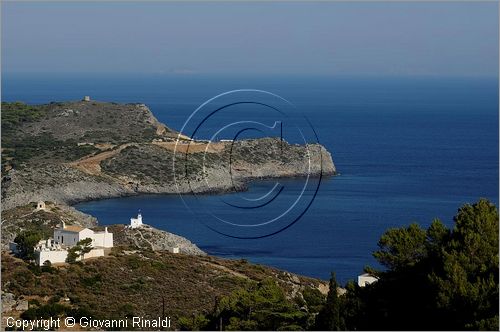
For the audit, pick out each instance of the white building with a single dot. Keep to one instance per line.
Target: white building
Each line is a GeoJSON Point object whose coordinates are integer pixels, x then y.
{"type": "Point", "coordinates": [56, 250]}
{"type": "Point", "coordinates": [40, 206]}
{"type": "Point", "coordinates": [136, 222]}
{"type": "Point", "coordinates": [69, 236]}
{"type": "Point", "coordinates": [48, 251]}
{"type": "Point", "coordinates": [174, 250]}
{"type": "Point", "coordinates": [366, 279]}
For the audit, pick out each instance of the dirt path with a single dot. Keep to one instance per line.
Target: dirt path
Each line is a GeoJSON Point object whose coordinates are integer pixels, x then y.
{"type": "Point", "coordinates": [191, 147]}
{"type": "Point", "coordinates": [226, 269]}
{"type": "Point", "coordinates": [91, 165]}
{"type": "Point", "coordinates": [145, 240]}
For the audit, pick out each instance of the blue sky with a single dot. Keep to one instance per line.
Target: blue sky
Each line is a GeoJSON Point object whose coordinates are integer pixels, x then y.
{"type": "Point", "coordinates": [385, 38]}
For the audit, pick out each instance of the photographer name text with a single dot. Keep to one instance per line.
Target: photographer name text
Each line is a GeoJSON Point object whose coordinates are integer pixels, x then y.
{"type": "Point", "coordinates": [87, 322]}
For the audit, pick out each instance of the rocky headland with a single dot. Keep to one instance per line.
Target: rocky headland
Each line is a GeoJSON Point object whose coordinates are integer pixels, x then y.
{"type": "Point", "coordinates": [77, 151]}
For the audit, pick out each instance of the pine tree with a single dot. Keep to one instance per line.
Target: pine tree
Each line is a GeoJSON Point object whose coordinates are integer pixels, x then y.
{"type": "Point", "coordinates": [331, 318]}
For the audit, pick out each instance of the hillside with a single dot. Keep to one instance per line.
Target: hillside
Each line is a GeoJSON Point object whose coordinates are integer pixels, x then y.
{"type": "Point", "coordinates": [26, 218]}
{"type": "Point", "coordinates": [139, 277]}
{"type": "Point", "coordinates": [139, 283]}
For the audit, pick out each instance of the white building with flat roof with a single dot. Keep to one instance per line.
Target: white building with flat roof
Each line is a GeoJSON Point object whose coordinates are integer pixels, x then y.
{"type": "Point", "coordinates": [69, 236]}
{"type": "Point", "coordinates": [366, 279]}
{"type": "Point", "coordinates": [56, 250]}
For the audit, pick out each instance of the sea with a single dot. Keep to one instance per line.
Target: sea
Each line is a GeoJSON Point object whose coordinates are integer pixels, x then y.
{"type": "Point", "coordinates": [407, 149]}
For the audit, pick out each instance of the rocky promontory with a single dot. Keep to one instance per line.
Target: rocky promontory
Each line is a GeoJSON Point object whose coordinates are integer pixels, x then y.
{"type": "Point", "coordinates": [86, 150]}
{"type": "Point", "coordinates": [150, 238]}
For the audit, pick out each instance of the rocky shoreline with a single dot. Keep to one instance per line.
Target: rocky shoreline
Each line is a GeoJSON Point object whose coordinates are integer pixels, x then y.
{"type": "Point", "coordinates": [83, 191]}
{"type": "Point", "coordinates": [65, 184]}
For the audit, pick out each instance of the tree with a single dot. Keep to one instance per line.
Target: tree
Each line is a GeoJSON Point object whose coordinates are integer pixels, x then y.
{"type": "Point", "coordinates": [72, 255]}
{"type": "Point", "coordinates": [195, 323]}
{"type": "Point", "coordinates": [439, 278]}
{"type": "Point", "coordinates": [401, 248]}
{"type": "Point", "coordinates": [258, 306]}
{"type": "Point", "coordinates": [81, 248]}
{"type": "Point", "coordinates": [85, 246]}
{"type": "Point", "coordinates": [26, 242]}
{"type": "Point", "coordinates": [467, 280]}
{"type": "Point", "coordinates": [331, 318]}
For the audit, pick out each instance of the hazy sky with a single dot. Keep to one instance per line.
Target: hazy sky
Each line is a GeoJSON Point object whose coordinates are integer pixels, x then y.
{"type": "Point", "coordinates": [319, 38]}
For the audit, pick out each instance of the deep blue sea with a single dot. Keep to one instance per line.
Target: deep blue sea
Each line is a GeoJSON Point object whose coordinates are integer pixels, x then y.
{"type": "Point", "coordinates": [407, 149]}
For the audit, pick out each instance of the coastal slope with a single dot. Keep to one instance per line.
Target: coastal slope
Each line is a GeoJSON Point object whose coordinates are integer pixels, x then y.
{"type": "Point", "coordinates": [143, 283]}
{"type": "Point", "coordinates": [43, 222]}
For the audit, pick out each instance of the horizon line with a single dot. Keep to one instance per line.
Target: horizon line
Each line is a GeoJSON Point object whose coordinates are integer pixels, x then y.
{"type": "Point", "coordinates": [495, 75]}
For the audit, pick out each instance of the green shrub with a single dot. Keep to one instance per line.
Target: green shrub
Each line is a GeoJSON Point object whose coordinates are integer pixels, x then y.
{"type": "Point", "coordinates": [53, 310]}
{"type": "Point", "coordinates": [313, 298]}
{"type": "Point", "coordinates": [26, 241]}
